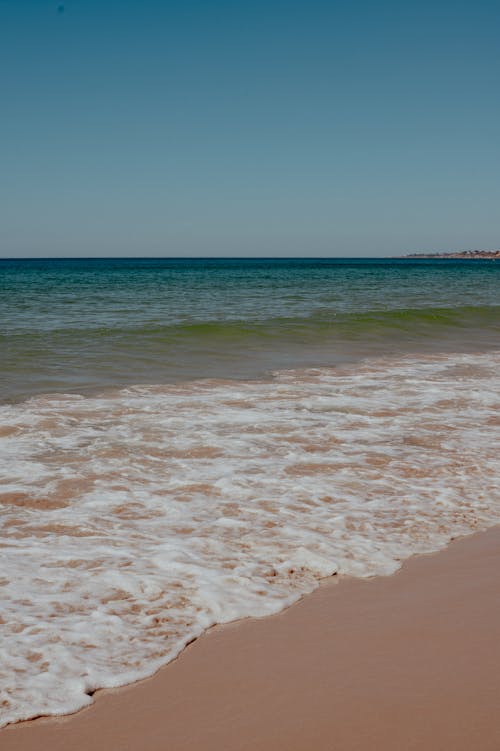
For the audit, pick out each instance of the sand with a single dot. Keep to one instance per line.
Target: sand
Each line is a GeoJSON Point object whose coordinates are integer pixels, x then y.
{"type": "Point", "coordinates": [410, 661]}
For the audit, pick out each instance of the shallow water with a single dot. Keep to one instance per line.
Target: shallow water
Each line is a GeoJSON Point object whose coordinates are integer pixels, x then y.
{"type": "Point", "coordinates": [82, 325]}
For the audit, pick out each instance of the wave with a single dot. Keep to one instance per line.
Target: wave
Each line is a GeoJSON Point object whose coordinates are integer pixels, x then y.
{"type": "Point", "coordinates": [322, 322]}
{"type": "Point", "coordinates": [135, 519]}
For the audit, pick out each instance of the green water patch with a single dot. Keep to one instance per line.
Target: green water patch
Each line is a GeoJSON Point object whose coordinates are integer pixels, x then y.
{"type": "Point", "coordinates": [322, 323]}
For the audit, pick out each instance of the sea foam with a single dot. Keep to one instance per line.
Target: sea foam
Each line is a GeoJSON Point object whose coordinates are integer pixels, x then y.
{"type": "Point", "coordinates": [134, 520]}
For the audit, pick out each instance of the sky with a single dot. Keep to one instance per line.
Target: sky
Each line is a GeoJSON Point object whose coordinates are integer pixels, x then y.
{"type": "Point", "coordinates": [250, 128]}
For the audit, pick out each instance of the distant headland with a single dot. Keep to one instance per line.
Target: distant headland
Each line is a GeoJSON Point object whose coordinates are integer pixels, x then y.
{"type": "Point", "coordinates": [474, 254]}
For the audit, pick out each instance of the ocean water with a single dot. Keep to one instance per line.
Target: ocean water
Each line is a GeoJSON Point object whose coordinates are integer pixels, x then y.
{"type": "Point", "coordinates": [81, 325]}
{"type": "Point", "coordinates": [184, 443]}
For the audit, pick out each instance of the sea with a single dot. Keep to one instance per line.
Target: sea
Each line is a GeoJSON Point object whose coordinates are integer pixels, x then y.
{"type": "Point", "coordinates": [186, 442]}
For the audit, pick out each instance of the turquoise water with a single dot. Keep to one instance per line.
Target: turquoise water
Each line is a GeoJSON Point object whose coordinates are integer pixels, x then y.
{"type": "Point", "coordinates": [80, 325]}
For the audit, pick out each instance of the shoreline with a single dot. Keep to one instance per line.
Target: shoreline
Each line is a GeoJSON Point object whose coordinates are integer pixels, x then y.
{"type": "Point", "coordinates": [466, 255]}
{"type": "Point", "coordinates": [404, 661]}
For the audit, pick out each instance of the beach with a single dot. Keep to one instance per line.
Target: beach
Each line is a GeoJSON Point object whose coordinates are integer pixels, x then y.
{"type": "Point", "coordinates": [249, 377]}
{"type": "Point", "coordinates": [185, 445]}
{"type": "Point", "coordinates": [408, 661]}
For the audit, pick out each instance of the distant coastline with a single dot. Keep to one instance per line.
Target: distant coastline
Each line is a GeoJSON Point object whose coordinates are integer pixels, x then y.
{"type": "Point", "coordinates": [474, 254]}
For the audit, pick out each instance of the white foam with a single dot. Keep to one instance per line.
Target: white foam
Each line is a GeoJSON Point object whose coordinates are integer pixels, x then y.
{"type": "Point", "coordinates": [134, 520]}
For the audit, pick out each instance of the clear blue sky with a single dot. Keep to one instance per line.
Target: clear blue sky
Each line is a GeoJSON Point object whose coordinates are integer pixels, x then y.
{"type": "Point", "coordinates": [248, 128]}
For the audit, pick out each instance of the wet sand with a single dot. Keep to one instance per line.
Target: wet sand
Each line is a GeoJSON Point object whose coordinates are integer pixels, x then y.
{"type": "Point", "coordinates": [410, 661]}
